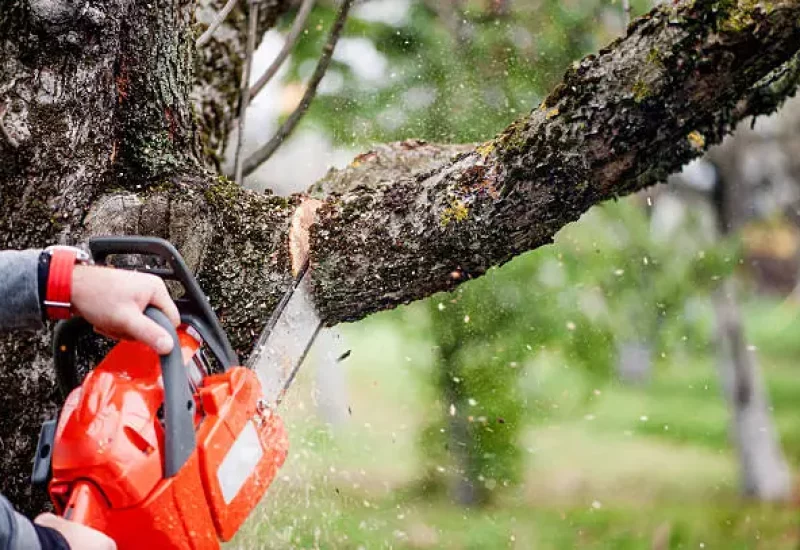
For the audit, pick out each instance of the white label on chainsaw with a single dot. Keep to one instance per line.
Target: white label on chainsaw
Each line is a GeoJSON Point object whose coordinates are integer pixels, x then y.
{"type": "Point", "coordinates": [240, 462]}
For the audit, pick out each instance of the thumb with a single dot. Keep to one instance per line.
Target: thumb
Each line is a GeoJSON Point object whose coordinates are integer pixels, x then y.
{"type": "Point", "coordinates": [139, 327]}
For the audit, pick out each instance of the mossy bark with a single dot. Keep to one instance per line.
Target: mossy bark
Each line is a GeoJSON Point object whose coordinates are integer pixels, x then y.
{"type": "Point", "coordinates": [116, 122]}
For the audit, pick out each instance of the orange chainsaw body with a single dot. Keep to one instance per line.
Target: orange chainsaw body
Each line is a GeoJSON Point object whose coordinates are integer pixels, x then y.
{"type": "Point", "coordinates": [108, 459]}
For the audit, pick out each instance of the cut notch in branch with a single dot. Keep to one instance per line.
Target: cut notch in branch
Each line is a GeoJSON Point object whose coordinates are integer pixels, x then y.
{"type": "Point", "coordinates": [266, 151]}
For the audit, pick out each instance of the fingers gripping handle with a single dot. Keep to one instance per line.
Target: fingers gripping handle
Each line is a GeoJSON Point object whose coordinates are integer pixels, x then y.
{"type": "Point", "coordinates": [86, 503]}
{"type": "Point", "coordinates": [179, 436]}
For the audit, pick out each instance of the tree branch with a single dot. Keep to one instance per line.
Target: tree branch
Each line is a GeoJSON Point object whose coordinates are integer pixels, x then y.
{"type": "Point", "coordinates": [266, 151]}
{"type": "Point", "coordinates": [410, 219]}
{"type": "Point", "coordinates": [244, 94]}
{"type": "Point", "coordinates": [771, 91]}
{"type": "Point", "coordinates": [217, 69]}
{"type": "Point", "coordinates": [291, 40]}
{"type": "Point", "coordinates": [626, 12]}
{"type": "Point", "coordinates": [218, 20]}
{"type": "Point", "coordinates": [617, 123]}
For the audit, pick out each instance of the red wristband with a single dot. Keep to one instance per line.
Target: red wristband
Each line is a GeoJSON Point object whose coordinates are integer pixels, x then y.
{"type": "Point", "coordinates": [58, 297]}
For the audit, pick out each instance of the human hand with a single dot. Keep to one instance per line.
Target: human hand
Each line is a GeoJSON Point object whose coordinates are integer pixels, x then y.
{"type": "Point", "coordinates": [79, 537]}
{"type": "Point", "coordinates": [113, 301]}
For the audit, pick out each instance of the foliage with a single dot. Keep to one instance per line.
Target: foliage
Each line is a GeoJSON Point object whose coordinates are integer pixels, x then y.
{"type": "Point", "coordinates": [452, 82]}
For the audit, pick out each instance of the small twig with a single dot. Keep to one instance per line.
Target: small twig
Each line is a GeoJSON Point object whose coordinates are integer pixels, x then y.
{"type": "Point", "coordinates": [291, 40]}
{"type": "Point", "coordinates": [9, 138]}
{"type": "Point", "coordinates": [244, 89]}
{"type": "Point", "coordinates": [218, 20]}
{"type": "Point", "coordinates": [626, 12]}
{"type": "Point", "coordinates": [264, 153]}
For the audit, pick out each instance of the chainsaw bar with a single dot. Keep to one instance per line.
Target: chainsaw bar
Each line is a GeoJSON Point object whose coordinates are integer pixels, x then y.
{"type": "Point", "coordinates": [285, 341]}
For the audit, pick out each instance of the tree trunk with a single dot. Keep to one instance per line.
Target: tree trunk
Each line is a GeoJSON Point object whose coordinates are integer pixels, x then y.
{"type": "Point", "coordinates": [114, 124]}
{"type": "Point", "coordinates": [634, 361]}
{"type": "Point", "coordinates": [764, 472]}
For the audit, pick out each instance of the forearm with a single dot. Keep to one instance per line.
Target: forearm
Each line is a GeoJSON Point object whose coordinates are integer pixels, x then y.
{"type": "Point", "coordinates": [18, 533]}
{"type": "Point", "coordinates": [19, 293]}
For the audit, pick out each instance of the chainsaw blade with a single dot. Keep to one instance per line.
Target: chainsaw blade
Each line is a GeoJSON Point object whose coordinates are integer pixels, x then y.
{"type": "Point", "coordinates": [285, 341]}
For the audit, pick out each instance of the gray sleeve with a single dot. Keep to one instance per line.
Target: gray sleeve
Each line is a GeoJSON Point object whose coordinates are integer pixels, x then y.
{"type": "Point", "coordinates": [16, 531]}
{"type": "Point", "coordinates": [19, 290]}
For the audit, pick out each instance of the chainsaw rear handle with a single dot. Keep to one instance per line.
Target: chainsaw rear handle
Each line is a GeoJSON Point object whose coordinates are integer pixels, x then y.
{"type": "Point", "coordinates": [65, 344]}
{"type": "Point", "coordinates": [193, 303]}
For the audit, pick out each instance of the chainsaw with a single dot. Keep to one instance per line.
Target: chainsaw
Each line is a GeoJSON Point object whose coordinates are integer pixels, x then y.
{"type": "Point", "coordinates": [171, 451]}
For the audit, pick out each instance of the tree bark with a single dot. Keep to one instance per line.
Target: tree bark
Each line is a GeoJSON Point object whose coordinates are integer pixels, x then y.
{"type": "Point", "coordinates": [114, 122]}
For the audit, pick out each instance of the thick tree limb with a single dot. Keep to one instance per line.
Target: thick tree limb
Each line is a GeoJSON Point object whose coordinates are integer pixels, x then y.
{"type": "Point", "coordinates": [618, 122]}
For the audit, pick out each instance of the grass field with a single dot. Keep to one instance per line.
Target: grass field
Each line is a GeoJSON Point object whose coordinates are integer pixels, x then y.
{"type": "Point", "coordinates": [628, 468]}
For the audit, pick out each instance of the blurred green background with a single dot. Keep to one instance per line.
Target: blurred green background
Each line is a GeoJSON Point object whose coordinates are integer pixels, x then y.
{"type": "Point", "coordinates": [499, 416]}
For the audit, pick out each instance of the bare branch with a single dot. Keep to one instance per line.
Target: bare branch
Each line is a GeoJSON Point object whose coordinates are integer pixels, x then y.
{"type": "Point", "coordinates": [218, 20]}
{"type": "Point", "coordinates": [244, 95]}
{"type": "Point", "coordinates": [291, 40]}
{"type": "Point", "coordinates": [266, 151]}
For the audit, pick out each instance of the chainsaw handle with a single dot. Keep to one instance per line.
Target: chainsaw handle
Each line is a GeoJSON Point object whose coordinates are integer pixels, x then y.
{"type": "Point", "coordinates": [65, 341]}
{"type": "Point", "coordinates": [179, 436]}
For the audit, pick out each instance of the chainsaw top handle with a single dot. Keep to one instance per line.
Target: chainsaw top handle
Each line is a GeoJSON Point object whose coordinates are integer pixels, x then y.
{"type": "Point", "coordinates": [179, 437]}
{"type": "Point", "coordinates": [193, 305]}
